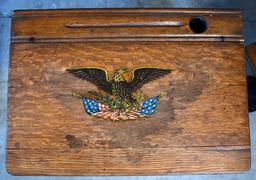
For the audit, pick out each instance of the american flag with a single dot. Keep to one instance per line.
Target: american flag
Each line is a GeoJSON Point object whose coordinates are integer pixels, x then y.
{"type": "Point", "coordinates": [95, 108]}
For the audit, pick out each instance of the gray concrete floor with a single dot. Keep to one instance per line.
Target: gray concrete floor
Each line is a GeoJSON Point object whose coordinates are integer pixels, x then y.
{"type": "Point", "coordinates": [6, 8]}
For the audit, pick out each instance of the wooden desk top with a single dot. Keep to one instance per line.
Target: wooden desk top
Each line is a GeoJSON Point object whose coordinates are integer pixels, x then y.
{"type": "Point", "coordinates": [200, 125]}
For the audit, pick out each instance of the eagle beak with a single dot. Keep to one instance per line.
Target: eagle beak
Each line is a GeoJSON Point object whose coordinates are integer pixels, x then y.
{"type": "Point", "coordinates": [123, 70]}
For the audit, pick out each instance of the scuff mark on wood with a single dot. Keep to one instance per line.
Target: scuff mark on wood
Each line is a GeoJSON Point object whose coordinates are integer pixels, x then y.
{"type": "Point", "coordinates": [74, 142]}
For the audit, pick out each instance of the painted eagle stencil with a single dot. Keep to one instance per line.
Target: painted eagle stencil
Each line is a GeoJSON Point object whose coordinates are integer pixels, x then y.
{"type": "Point", "coordinates": [124, 100]}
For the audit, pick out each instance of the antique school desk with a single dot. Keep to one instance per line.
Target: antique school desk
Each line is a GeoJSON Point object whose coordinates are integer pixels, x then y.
{"type": "Point", "coordinates": [127, 92]}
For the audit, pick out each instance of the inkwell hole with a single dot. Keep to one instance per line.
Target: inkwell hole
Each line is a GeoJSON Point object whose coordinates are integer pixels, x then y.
{"type": "Point", "coordinates": [198, 24]}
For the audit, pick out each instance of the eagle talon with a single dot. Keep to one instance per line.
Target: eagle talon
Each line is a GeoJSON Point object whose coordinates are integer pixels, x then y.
{"type": "Point", "coordinates": [77, 95]}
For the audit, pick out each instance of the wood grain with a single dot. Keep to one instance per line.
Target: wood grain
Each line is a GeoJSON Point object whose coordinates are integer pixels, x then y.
{"type": "Point", "coordinates": [200, 127]}
{"type": "Point", "coordinates": [153, 11]}
{"type": "Point", "coordinates": [128, 161]}
{"type": "Point", "coordinates": [52, 24]}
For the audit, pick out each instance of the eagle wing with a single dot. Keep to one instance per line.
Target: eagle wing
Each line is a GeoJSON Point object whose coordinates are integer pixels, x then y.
{"type": "Point", "coordinates": [144, 75]}
{"type": "Point", "coordinates": [95, 75]}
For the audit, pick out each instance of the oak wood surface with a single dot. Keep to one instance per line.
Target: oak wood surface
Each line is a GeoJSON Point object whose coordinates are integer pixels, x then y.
{"type": "Point", "coordinates": [46, 12]}
{"type": "Point", "coordinates": [54, 24]}
{"type": "Point", "coordinates": [201, 126]}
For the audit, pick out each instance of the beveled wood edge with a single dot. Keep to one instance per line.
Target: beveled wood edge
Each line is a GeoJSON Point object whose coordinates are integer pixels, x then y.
{"type": "Point", "coordinates": [241, 147]}
{"type": "Point", "coordinates": [137, 174]}
{"type": "Point", "coordinates": [199, 151]}
{"type": "Point", "coordinates": [47, 12]}
{"type": "Point", "coordinates": [157, 38]}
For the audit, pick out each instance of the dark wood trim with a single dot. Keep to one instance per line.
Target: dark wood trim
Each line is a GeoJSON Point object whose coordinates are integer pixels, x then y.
{"type": "Point", "coordinates": [184, 37]}
{"type": "Point", "coordinates": [48, 12]}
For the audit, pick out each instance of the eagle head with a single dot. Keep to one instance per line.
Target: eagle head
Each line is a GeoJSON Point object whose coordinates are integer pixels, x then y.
{"type": "Point", "coordinates": [118, 75]}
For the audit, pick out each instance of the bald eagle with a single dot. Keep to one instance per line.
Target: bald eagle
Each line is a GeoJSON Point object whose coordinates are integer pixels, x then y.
{"type": "Point", "coordinates": [118, 86]}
